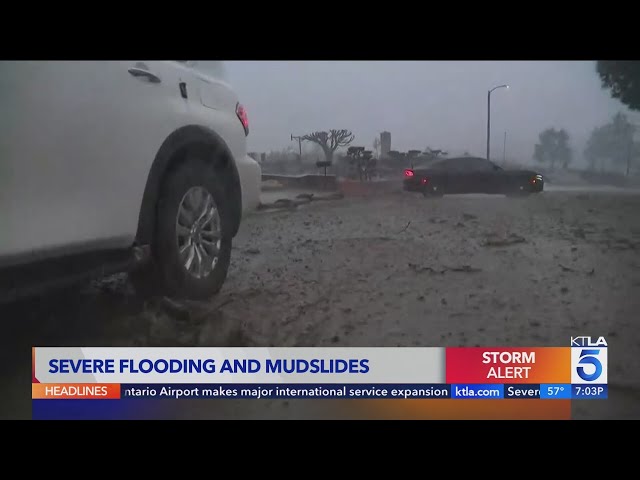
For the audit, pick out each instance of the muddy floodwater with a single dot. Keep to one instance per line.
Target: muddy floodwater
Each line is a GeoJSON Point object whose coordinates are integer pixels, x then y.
{"type": "Point", "coordinates": [391, 270]}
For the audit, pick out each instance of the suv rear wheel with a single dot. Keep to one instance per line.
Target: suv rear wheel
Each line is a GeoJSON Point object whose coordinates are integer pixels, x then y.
{"type": "Point", "coordinates": [192, 246]}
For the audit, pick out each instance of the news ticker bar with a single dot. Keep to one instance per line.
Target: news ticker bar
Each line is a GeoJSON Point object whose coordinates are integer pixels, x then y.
{"type": "Point", "coordinates": [583, 363]}
{"type": "Point", "coordinates": [110, 391]}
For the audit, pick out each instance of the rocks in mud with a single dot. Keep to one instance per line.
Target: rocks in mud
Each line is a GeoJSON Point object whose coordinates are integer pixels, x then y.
{"type": "Point", "coordinates": [569, 269]}
{"type": "Point", "coordinates": [464, 269]}
{"type": "Point", "coordinates": [301, 199]}
{"type": "Point", "coordinates": [285, 202]}
{"type": "Point", "coordinates": [420, 269]}
{"type": "Point", "coordinates": [495, 240]}
{"type": "Point", "coordinates": [405, 227]}
{"type": "Point", "coordinates": [175, 309]}
{"type": "Point", "coordinates": [252, 251]}
{"type": "Point", "coordinates": [440, 271]}
{"type": "Point", "coordinates": [330, 196]}
{"type": "Point", "coordinates": [624, 244]}
{"type": "Point", "coordinates": [579, 233]}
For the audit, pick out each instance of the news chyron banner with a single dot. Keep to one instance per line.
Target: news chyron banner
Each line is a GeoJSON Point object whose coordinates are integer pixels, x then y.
{"type": "Point", "coordinates": [115, 382]}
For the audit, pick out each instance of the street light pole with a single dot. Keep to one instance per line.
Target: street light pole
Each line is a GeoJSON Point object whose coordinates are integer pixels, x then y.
{"type": "Point", "coordinates": [299, 145]}
{"type": "Point", "coordinates": [504, 148]}
{"type": "Point", "coordinates": [629, 150]}
{"type": "Point", "coordinates": [489, 117]}
{"type": "Point", "coordinates": [635, 131]}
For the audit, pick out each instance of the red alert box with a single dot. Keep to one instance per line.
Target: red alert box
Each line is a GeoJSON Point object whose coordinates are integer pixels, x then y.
{"type": "Point", "coordinates": [508, 365]}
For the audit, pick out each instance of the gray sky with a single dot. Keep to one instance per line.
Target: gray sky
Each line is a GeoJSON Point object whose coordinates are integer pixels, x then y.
{"type": "Point", "coordinates": [442, 104]}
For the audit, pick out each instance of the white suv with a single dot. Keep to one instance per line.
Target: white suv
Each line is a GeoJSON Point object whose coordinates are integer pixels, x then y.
{"type": "Point", "coordinates": [121, 165]}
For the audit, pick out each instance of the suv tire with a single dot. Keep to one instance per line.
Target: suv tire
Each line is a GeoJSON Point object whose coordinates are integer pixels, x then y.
{"type": "Point", "coordinates": [192, 246]}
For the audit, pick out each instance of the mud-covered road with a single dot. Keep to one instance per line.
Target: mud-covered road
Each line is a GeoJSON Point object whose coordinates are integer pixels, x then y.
{"type": "Point", "coordinates": [392, 270]}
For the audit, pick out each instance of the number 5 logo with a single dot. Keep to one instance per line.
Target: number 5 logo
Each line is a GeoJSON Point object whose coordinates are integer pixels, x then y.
{"type": "Point", "coordinates": [589, 357]}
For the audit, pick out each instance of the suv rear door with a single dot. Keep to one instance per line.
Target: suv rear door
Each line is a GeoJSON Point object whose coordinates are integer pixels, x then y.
{"type": "Point", "coordinates": [219, 101]}
{"type": "Point", "coordinates": [77, 140]}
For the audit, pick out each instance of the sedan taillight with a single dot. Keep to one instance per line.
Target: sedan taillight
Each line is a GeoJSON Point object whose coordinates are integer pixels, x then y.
{"type": "Point", "coordinates": [244, 118]}
{"type": "Point", "coordinates": [408, 173]}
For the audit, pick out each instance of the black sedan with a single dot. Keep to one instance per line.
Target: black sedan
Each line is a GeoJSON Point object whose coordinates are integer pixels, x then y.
{"type": "Point", "coordinates": [471, 175]}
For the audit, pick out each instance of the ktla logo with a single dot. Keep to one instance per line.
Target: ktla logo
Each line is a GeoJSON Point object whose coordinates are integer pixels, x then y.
{"type": "Point", "coordinates": [588, 360]}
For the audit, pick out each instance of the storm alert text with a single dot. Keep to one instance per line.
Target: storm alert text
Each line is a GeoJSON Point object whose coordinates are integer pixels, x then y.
{"type": "Point", "coordinates": [506, 359]}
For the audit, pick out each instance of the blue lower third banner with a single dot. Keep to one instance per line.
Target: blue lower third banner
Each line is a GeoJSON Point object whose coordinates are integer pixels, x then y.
{"type": "Point", "coordinates": [284, 391]}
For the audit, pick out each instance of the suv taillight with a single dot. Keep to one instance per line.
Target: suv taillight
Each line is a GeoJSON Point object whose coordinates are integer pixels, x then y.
{"type": "Point", "coordinates": [244, 119]}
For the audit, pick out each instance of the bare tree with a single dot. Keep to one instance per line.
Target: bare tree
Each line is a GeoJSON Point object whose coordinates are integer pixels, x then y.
{"type": "Point", "coordinates": [330, 141]}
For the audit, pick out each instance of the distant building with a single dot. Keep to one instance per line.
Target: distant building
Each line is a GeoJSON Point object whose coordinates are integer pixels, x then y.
{"type": "Point", "coordinates": [385, 144]}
